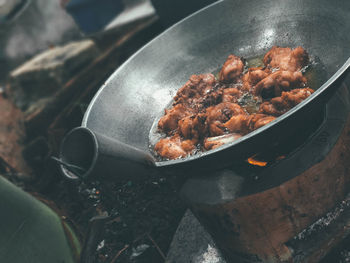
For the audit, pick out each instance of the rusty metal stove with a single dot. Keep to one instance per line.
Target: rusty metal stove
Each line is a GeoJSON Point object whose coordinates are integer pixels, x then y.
{"type": "Point", "coordinates": [265, 216]}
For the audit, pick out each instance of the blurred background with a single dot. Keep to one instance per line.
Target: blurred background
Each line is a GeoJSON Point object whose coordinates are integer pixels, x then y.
{"type": "Point", "coordinates": [28, 27]}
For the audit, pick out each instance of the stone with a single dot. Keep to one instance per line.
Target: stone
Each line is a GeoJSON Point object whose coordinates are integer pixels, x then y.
{"type": "Point", "coordinates": [47, 72]}
{"type": "Point", "coordinates": [192, 243]}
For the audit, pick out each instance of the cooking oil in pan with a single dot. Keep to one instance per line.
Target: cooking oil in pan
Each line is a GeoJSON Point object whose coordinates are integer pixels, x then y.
{"type": "Point", "coordinates": [315, 73]}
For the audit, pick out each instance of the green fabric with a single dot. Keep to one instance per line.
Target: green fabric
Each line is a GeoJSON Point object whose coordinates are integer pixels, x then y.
{"type": "Point", "coordinates": [29, 230]}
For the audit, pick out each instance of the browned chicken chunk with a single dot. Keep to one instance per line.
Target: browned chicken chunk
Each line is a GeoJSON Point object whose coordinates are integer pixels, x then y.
{"type": "Point", "coordinates": [215, 142]}
{"type": "Point", "coordinates": [169, 122]}
{"type": "Point", "coordinates": [237, 123]}
{"type": "Point", "coordinates": [213, 97]}
{"type": "Point", "coordinates": [174, 147]}
{"type": "Point", "coordinates": [275, 83]}
{"type": "Point", "coordinates": [231, 94]}
{"type": "Point", "coordinates": [193, 127]}
{"type": "Point", "coordinates": [280, 105]}
{"type": "Point", "coordinates": [286, 58]}
{"type": "Point", "coordinates": [244, 124]}
{"type": "Point", "coordinates": [255, 121]}
{"type": "Point", "coordinates": [194, 89]}
{"type": "Point", "coordinates": [218, 115]}
{"type": "Point", "coordinates": [232, 69]}
{"type": "Point", "coordinates": [253, 76]}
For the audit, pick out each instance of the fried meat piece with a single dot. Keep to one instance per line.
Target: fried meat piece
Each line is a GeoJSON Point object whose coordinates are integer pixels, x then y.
{"type": "Point", "coordinates": [213, 97]}
{"type": "Point", "coordinates": [237, 123]}
{"type": "Point", "coordinates": [169, 122]}
{"type": "Point", "coordinates": [279, 105]}
{"type": "Point", "coordinates": [231, 94]}
{"type": "Point", "coordinates": [247, 123]}
{"type": "Point", "coordinates": [173, 147]}
{"type": "Point", "coordinates": [255, 121]}
{"type": "Point", "coordinates": [275, 83]}
{"type": "Point", "coordinates": [194, 89]}
{"type": "Point", "coordinates": [286, 58]}
{"type": "Point", "coordinates": [232, 69]}
{"type": "Point", "coordinates": [218, 115]}
{"type": "Point", "coordinates": [214, 142]}
{"type": "Point", "coordinates": [253, 76]}
{"type": "Point", "coordinates": [244, 124]}
{"type": "Point", "coordinates": [193, 127]}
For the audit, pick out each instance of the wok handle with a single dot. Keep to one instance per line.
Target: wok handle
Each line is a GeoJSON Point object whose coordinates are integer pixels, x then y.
{"type": "Point", "coordinates": [97, 155]}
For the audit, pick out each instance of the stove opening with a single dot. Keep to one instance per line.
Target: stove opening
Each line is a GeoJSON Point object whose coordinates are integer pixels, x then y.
{"type": "Point", "coordinates": [284, 148]}
{"type": "Point", "coordinates": [253, 161]}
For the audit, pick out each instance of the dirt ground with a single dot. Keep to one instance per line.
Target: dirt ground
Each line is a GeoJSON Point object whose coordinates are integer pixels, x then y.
{"type": "Point", "coordinates": [142, 216]}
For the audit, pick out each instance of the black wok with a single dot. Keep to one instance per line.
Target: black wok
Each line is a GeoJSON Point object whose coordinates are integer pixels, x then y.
{"type": "Point", "coordinates": [121, 114]}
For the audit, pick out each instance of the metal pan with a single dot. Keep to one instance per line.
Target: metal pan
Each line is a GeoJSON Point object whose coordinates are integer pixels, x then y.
{"type": "Point", "coordinates": [126, 106]}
